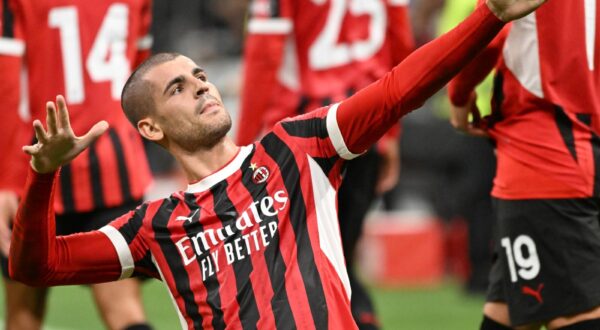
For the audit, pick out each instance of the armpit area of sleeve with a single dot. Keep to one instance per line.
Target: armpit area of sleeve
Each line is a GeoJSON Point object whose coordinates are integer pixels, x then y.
{"type": "Point", "coordinates": [335, 134]}
{"type": "Point", "coordinates": [123, 251]}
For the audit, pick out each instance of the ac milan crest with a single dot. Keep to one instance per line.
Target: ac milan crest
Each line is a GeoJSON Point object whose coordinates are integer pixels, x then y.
{"type": "Point", "coordinates": [260, 174]}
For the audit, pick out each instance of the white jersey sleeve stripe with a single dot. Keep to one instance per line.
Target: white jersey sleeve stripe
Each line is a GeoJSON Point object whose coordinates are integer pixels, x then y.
{"type": "Point", "coordinates": [270, 26]}
{"type": "Point", "coordinates": [12, 47]}
{"type": "Point", "coordinates": [122, 248]}
{"type": "Point", "coordinates": [336, 135]}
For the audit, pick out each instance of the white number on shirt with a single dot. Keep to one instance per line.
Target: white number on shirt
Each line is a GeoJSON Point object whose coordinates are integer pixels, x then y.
{"type": "Point", "coordinates": [326, 52]}
{"type": "Point", "coordinates": [106, 61]}
{"type": "Point", "coordinates": [528, 266]}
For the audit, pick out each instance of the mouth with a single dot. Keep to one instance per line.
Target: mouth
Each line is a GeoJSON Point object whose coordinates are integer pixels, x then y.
{"type": "Point", "coordinates": [208, 106]}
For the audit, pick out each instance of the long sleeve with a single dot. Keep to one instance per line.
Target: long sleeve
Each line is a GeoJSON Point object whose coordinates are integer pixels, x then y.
{"type": "Point", "coordinates": [37, 257]}
{"type": "Point", "coordinates": [366, 116]}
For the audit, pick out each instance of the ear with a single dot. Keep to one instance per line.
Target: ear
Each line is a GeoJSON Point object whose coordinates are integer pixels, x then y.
{"type": "Point", "coordinates": [150, 129]}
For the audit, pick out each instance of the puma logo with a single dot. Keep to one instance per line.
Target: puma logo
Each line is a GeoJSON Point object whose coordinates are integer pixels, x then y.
{"type": "Point", "coordinates": [537, 294]}
{"type": "Point", "coordinates": [189, 218]}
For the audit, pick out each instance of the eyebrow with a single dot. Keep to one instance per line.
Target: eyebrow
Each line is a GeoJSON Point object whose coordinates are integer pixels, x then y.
{"type": "Point", "coordinates": [180, 79]}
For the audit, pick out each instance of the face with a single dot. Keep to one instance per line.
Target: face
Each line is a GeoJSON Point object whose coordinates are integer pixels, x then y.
{"type": "Point", "coordinates": [188, 112]}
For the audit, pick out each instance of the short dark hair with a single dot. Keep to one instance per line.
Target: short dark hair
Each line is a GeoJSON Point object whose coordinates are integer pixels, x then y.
{"type": "Point", "coordinates": [135, 100]}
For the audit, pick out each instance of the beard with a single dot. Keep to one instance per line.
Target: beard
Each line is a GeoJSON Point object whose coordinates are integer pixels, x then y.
{"type": "Point", "coordinates": [202, 135]}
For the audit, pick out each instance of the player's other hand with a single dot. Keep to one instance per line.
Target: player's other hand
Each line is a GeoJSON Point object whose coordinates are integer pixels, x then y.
{"type": "Point", "coordinates": [8, 208]}
{"type": "Point", "coordinates": [459, 118]}
{"type": "Point", "coordinates": [508, 10]}
{"type": "Point", "coordinates": [58, 144]}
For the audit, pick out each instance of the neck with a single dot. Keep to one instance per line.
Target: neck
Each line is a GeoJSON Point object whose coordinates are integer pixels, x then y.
{"type": "Point", "coordinates": [202, 163]}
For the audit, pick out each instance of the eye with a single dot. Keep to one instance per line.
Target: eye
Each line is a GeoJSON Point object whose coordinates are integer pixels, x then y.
{"type": "Point", "coordinates": [202, 76]}
{"type": "Point", "coordinates": [178, 89]}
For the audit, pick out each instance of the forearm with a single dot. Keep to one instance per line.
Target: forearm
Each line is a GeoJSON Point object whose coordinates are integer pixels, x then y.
{"type": "Point", "coordinates": [37, 257]}
{"type": "Point", "coordinates": [367, 115]}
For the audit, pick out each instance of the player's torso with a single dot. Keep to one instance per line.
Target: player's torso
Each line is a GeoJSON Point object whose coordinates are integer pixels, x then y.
{"type": "Point", "coordinates": [549, 100]}
{"type": "Point", "coordinates": [85, 48]}
{"type": "Point", "coordinates": [246, 249]}
{"type": "Point", "coordinates": [341, 45]}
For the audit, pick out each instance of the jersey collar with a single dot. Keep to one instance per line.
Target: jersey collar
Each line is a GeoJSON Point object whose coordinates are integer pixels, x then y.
{"type": "Point", "coordinates": [221, 174]}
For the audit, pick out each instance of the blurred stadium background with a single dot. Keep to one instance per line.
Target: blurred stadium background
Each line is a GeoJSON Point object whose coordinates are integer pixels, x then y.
{"type": "Point", "coordinates": [426, 248]}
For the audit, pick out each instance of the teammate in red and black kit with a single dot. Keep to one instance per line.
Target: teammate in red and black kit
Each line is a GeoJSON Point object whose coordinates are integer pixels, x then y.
{"type": "Point", "coordinates": [86, 50]}
{"type": "Point", "coordinates": [546, 126]}
{"type": "Point", "coordinates": [254, 241]}
{"type": "Point", "coordinates": [308, 54]}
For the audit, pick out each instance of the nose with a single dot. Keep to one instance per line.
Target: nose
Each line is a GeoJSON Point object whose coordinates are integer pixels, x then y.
{"type": "Point", "coordinates": [201, 88]}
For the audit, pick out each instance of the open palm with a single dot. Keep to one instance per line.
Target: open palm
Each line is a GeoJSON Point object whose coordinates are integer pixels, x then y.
{"type": "Point", "coordinates": [58, 144]}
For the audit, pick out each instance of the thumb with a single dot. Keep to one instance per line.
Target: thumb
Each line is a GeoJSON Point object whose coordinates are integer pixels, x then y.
{"type": "Point", "coordinates": [98, 129]}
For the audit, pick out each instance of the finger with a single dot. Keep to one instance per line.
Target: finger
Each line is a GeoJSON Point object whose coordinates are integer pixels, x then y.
{"type": "Point", "coordinates": [98, 129]}
{"type": "Point", "coordinates": [478, 132]}
{"type": "Point", "coordinates": [40, 133]}
{"type": "Point", "coordinates": [51, 118]}
{"type": "Point", "coordinates": [31, 150]}
{"type": "Point", "coordinates": [63, 113]}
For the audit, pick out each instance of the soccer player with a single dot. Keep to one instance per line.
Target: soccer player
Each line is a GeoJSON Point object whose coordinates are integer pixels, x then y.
{"type": "Point", "coordinates": [304, 55]}
{"type": "Point", "coordinates": [254, 240]}
{"type": "Point", "coordinates": [546, 125]}
{"type": "Point", "coordinates": [85, 50]}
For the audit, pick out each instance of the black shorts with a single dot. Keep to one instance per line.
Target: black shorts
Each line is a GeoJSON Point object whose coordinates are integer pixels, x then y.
{"type": "Point", "coordinates": [546, 258]}
{"type": "Point", "coordinates": [72, 223]}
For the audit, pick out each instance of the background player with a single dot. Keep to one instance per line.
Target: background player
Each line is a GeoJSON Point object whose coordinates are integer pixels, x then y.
{"type": "Point", "coordinates": [307, 54]}
{"type": "Point", "coordinates": [545, 123]}
{"type": "Point", "coordinates": [84, 49]}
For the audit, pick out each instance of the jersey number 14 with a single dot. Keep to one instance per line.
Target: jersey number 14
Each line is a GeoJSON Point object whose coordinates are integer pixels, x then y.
{"type": "Point", "coordinates": [106, 61]}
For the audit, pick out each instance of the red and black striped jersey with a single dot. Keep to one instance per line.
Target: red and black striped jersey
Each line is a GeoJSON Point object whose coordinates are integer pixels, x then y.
{"type": "Point", "coordinates": [305, 54]}
{"type": "Point", "coordinates": [546, 105]}
{"type": "Point", "coordinates": [84, 50]}
{"type": "Point", "coordinates": [255, 244]}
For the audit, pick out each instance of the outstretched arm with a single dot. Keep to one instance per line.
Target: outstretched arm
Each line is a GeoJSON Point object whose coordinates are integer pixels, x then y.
{"type": "Point", "coordinates": [364, 117]}
{"type": "Point", "coordinates": [37, 256]}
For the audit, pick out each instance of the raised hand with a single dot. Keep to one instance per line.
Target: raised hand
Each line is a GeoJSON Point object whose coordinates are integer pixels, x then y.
{"type": "Point", "coordinates": [508, 10]}
{"type": "Point", "coordinates": [58, 145]}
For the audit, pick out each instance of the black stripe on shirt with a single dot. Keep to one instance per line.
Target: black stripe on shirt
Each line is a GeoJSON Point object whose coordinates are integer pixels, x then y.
{"type": "Point", "coordinates": [225, 210]}
{"type": "Point", "coordinates": [162, 236]}
{"type": "Point", "coordinates": [213, 299]}
{"type": "Point", "coordinates": [313, 127]}
{"type": "Point", "coordinates": [280, 304]}
{"type": "Point", "coordinates": [283, 156]}
{"type": "Point", "coordinates": [7, 20]}
{"type": "Point", "coordinates": [96, 178]}
{"type": "Point", "coordinates": [121, 165]}
{"type": "Point", "coordinates": [66, 189]}
{"type": "Point", "coordinates": [497, 99]}
{"type": "Point", "coordinates": [595, 141]}
{"type": "Point", "coordinates": [275, 10]}
{"type": "Point", "coordinates": [565, 127]}
{"type": "Point", "coordinates": [326, 164]}
{"type": "Point", "coordinates": [130, 229]}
